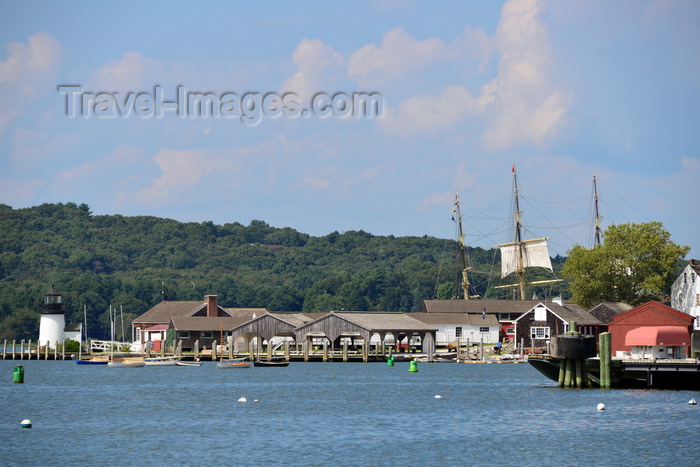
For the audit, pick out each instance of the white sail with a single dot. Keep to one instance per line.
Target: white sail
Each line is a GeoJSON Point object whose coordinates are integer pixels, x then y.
{"type": "Point", "coordinates": [534, 253]}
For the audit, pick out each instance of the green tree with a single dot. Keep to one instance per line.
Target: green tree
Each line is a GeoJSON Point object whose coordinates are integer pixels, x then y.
{"type": "Point", "coordinates": [636, 263]}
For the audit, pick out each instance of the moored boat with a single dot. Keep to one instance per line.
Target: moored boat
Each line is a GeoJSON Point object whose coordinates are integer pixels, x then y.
{"type": "Point", "coordinates": [127, 362]}
{"type": "Point", "coordinates": [161, 361]}
{"type": "Point", "coordinates": [271, 362]}
{"type": "Point", "coordinates": [97, 360]}
{"type": "Point", "coordinates": [188, 363]}
{"type": "Point", "coordinates": [234, 363]}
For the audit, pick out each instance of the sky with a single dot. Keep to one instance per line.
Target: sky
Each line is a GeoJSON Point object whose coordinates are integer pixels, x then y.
{"type": "Point", "coordinates": [239, 111]}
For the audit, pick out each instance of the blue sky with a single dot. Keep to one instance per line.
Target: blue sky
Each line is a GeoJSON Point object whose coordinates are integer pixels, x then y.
{"type": "Point", "coordinates": [560, 89]}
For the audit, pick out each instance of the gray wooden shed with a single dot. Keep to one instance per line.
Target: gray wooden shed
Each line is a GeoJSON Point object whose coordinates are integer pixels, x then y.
{"type": "Point", "coordinates": [364, 325]}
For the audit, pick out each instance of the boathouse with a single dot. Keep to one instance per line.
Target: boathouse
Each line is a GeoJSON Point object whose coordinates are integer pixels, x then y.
{"type": "Point", "coordinates": [648, 315]}
{"type": "Point", "coordinates": [368, 327]}
{"type": "Point", "coordinates": [270, 329]}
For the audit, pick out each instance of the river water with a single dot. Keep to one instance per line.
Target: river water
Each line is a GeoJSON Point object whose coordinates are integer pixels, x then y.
{"type": "Point", "coordinates": [335, 413]}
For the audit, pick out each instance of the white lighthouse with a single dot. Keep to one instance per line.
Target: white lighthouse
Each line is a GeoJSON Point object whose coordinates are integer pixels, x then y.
{"type": "Point", "coordinates": [53, 320]}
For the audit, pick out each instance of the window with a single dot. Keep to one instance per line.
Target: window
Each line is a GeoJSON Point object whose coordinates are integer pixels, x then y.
{"type": "Point", "coordinates": [207, 334]}
{"type": "Point", "coordinates": [540, 313]}
{"type": "Point", "coordinates": [510, 331]}
{"type": "Point", "coordinates": [458, 331]}
{"type": "Point", "coordinates": [483, 329]}
{"type": "Point", "coordinates": [183, 334]}
{"type": "Point", "coordinates": [539, 332]}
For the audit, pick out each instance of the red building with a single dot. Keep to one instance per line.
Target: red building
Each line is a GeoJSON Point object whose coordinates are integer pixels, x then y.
{"type": "Point", "coordinates": [650, 314]}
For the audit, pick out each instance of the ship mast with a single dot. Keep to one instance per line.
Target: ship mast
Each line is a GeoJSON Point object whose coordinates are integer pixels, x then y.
{"type": "Point", "coordinates": [597, 213]}
{"type": "Point", "coordinates": [462, 251]}
{"type": "Point", "coordinates": [520, 269]}
{"type": "Point", "coordinates": [523, 253]}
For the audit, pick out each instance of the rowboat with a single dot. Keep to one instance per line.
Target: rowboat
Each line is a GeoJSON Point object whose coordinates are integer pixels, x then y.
{"type": "Point", "coordinates": [235, 363]}
{"type": "Point", "coordinates": [161, 361]}
{"type": "Point", "coordinates": [187, 363]}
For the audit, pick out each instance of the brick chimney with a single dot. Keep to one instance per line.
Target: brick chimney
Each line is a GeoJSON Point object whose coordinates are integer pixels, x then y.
{"type": "Point", "coordinates": [212, 302]}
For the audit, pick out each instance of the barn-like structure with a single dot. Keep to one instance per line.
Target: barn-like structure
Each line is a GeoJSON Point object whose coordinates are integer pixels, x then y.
{"type": "Point", "coordinates": [366, 325]}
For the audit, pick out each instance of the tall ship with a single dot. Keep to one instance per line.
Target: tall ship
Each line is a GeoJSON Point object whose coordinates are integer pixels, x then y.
{"type": "Point", "coordinates": [522, 253]}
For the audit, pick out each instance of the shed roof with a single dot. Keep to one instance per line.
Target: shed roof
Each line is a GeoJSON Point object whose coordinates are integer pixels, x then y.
{"type": "Point", "coordinates": [605, 311]}
{"type": "Point", "coordinates": [460, 319]}
{"type": "Point", "coordinates": [567, 313]}
{"type": "Point", "coordinates": [658, 335]}
{"type": "Point", "coordinates": [653, 313]}
{"type": "Point", "coordinates": [205, 323]}
{"type": "Point", "coordinates": [163, 311]}
{"type": "Point", "coordinates": [384, 321]}
{"type": "Point", "coordinates": [476, 306]}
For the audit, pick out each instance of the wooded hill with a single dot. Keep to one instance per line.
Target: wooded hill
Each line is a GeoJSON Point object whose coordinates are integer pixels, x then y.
{"type": "Point", "coordinates": [132, 263]}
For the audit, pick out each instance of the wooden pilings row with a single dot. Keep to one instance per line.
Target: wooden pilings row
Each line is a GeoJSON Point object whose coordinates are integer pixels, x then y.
{"type": "Point", "coordinates": [27, 352]}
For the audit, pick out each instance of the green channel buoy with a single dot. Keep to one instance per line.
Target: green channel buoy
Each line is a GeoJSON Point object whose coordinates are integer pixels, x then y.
{"type": "Point", "coordinates": [390, 360]}
{"type": "Point", "coordinates": [18, 374]}
{"type": "Point", "coordinates": [414, 366]}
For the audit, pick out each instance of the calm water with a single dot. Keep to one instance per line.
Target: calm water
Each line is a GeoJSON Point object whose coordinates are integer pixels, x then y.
{"type": "Point", "coordinates": [335, 413]}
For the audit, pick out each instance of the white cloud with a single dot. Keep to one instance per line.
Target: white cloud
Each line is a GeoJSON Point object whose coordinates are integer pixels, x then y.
{"type": "Point", "coordinates": [528, 109]}
{"type": "Point", "coordinates": [521, 105]}
{"type": "Point", "coordinates": [25, 74]}
{"type": "Point", "coordinates": [28, 64]}
{"type": "Point", "coordinates": [182, 170]}
{"type": "Point", "coordinates": [435, 113]}
{"type": "Point", "coordinates": [195, 176]}
{"type": "Point", "coordinates": [318, 67]}
{"type": "Point", "coordinates": [128, 74]}
{"type": "Point", "coordinates": [398, 53]}
{"type": "Point", "coordinates": [101, 168]}
{"type": "Point", "coordinates": [328, 177]}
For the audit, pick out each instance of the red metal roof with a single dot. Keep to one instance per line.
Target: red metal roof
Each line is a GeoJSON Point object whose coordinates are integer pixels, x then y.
{"type": "Point", "coordinates": [658, 335]}
{"type": "Point", "coordinates": [157, 327]}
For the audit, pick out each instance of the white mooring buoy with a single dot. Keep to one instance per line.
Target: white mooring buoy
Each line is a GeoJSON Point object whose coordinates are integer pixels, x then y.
{"type": "Point", "coordinates": [438, 396]}
{"type": "Point", "coordinates": [26, 423]}
{"type": "Point", "coordinates": [242, 399]}
{"type": "Point", "coordinates": [692, 402]}
{"type": "Point", "coordinates": [601, 407]}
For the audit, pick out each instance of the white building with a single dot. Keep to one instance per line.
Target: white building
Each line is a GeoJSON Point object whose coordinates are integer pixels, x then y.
{"type": "Point", "coordinates": [685, 292]}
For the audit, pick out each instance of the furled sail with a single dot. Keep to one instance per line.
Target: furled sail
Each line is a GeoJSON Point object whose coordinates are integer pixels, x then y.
{"type": "Point", "coordinates": [534, 254]}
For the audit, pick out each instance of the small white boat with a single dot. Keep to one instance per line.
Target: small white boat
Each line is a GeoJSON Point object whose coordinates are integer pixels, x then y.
{"type": "Point", "coordinates": [161, 361]}
{"type": "Point", "coordinates": [181, 363]}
